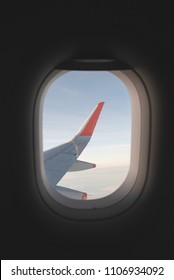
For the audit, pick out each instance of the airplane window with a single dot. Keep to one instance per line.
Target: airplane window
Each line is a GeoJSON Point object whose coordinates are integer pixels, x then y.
{"type": "Point", "coordinates": [86, 134]}
{"type": "Point", "coordinates": [91, 141]}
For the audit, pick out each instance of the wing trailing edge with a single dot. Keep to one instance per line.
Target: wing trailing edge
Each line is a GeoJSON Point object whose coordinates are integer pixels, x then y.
{"type": "Point", "coordinates": [71, 193]}
{"type": "Point", "coordinates": [80, 165]}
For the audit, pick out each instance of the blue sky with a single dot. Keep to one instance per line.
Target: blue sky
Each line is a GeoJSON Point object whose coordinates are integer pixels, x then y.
{"type": "Point", "coordinates": [68, 102]}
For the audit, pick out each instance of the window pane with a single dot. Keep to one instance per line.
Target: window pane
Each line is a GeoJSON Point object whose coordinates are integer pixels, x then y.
{"type": "Point", "coordinates": [68, 103]}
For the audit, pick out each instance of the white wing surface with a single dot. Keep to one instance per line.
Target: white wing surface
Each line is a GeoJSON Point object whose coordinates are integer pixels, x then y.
{"type": "Point", "coordinates": [63, 158]}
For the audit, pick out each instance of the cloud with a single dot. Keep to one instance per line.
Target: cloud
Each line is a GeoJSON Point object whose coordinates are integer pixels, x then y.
{"type": "Point", "coordinates": [97, 183]}
{"type": "Point", "coordinates": [68, 91]}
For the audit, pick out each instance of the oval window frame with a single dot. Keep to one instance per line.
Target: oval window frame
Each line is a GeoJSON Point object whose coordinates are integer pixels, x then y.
{"type": "Point", "coordinates": [130, 189]}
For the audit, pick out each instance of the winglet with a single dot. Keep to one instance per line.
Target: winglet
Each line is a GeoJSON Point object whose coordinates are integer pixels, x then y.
{"type": "Point", "coordinates": [84, 196]}
{"type": "Point", "coordinates": [88, 127]}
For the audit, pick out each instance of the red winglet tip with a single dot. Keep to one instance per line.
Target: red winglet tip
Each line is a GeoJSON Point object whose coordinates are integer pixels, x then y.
{"type": "Point", "coordinates": [84, 196]}
{"type": "Point", "coordinates": [90, 126]}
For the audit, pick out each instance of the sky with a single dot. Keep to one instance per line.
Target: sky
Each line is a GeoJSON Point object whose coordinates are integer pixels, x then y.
{"type": "Point", "coordinates": [68, 103]}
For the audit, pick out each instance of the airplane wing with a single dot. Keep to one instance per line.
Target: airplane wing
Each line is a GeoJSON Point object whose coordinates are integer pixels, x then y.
{"type": "Point", "coordinates": [63, 158]}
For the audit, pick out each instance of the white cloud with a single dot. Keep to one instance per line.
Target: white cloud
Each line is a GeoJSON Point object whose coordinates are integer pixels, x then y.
{"type": "Point", "coordinates": [97, 183]}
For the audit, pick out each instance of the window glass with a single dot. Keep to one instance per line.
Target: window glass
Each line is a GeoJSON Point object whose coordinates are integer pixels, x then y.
{"type": "Point", "coordinates": [68, 103]}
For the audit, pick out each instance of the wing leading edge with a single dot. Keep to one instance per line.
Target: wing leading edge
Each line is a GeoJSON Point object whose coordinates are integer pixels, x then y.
{"type": "Point", "coordinates": [63, 158]}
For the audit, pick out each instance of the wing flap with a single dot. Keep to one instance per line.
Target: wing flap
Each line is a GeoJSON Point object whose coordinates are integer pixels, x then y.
{"type": "Point", "coordinates": [71, 193]}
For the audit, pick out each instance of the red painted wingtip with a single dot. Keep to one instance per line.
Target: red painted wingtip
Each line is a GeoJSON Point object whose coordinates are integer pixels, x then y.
{"type": "Point", "coordinates": [84, 196]}
{"type": "Point", "coordinates": [91, 123]}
